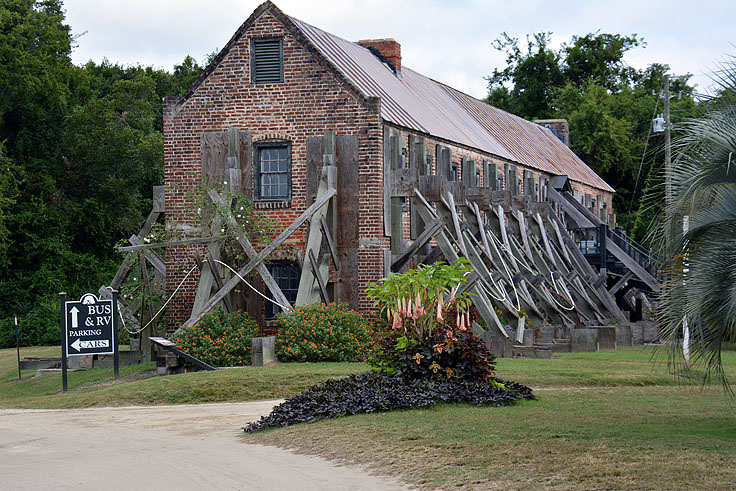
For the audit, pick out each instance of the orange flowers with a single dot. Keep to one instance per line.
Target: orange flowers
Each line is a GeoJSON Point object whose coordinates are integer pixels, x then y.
{"type": "Point", "coordinates": [418, 358]}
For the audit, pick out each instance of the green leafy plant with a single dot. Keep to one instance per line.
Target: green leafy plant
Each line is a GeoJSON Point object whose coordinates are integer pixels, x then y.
{"type": "Point", "coordinates": [451, 352]}
{"type": "Point", "coordinates": [414, 301]}
{"type": "Point", "coordinates": [433, 335]}
{"type": "Point", "coordinates": [219, 338]}
{"type": "Point", "coordinates": [320, 332]}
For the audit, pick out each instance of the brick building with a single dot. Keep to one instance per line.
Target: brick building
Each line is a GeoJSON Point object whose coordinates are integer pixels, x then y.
{"type": "Point", "coordinates": [281, 83]}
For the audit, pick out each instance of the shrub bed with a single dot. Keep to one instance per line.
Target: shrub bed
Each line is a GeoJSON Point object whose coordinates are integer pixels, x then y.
{"type": "Point", "coordinates": [429, 355]}
{"type": "Point", "coordinates": [220, 339]}
{"type": "Point", "coordinates": [373, 391]}
{"type": "Point", "coordinates": [320, 332]}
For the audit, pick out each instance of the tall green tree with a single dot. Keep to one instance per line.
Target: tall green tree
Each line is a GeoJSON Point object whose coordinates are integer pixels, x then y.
{"type": "Point", "coordinates": [536, 76]}
{"type": "Point", "coordinates": [599, 58]}
{"type": "Point", "coordinates": [80, 148]}
{"type": "Point", "coordinates": [609, 105]}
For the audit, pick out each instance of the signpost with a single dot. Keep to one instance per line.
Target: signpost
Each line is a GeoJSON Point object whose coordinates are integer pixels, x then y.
{"type": "Point", "coordinates": [89, 327]}
{"type": "Point", "coordinates": [17, 344]}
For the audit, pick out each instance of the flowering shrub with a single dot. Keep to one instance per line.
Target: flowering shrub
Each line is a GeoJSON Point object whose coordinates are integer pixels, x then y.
{"type": "Point", "coordinates": [414, 301]}
{"type": "Point", "coordinates": [320, 332]}
{"type": "Point", "coordinates": [434, 338]}
{"type": "Point", "coordinates": [451, 352]}
{"type": "Point", "coordinates": [219, 339]}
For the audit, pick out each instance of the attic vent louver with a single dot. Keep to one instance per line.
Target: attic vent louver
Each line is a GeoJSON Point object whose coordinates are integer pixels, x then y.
{"type": "Point", "coordinates": [267, 61]}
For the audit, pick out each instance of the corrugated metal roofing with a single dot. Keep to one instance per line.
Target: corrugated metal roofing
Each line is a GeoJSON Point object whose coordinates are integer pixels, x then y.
{"type": "Point", "coordinates": [419, 103]}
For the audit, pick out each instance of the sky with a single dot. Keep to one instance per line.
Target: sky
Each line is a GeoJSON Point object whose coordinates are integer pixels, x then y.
{"type": "Point", "coordinates": [449, 41]}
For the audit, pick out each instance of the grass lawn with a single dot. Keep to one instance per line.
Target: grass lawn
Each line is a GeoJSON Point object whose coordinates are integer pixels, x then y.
{"type": "Point", "coordinates": [139, 385]}
{"type": "Point", "coordinates": [607, 420]}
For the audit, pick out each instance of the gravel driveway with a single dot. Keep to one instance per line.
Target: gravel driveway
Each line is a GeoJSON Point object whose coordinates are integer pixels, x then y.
{"type": "Point", "coordinates": [159, 447]}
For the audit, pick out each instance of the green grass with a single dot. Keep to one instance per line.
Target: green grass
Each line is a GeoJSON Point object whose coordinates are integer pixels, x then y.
{"type": "Point", "coordinates": [607, 420]}
{"type": "Point", "coordinates": [636, 365]}
{"type": "Point", "coordinates": [138, 384]}
{"type": "Point", "coordinates": [610, 437]}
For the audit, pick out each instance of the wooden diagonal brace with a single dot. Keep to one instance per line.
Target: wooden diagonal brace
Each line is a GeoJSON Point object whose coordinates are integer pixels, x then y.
{"type": "Point", "coordinates": [429, 231]}
{"type": "Point", "coordinates": [233, 224]}
{"type": "Point", "coordinates": [484, 306]}
{"type": "Point", "coordinates": [232, 283]}
{"type": "Point", "coordinates": [330, 243]}
{"type": "Point", "coordinates": [315, 270]}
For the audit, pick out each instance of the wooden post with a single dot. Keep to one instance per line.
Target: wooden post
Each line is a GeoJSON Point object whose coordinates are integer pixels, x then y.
{"type": "Point", "coordinates": [397, 209]}
{"type": "Point", "coordinates": [419, 162]}
{"type": "Point", "coordinates": [146, 346]}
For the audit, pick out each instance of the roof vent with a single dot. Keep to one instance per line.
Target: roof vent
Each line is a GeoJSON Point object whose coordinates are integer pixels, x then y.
{"type": "Point", "coordinates": [389, 50]}
{"type": "Point", "coordinates": [267, 61]}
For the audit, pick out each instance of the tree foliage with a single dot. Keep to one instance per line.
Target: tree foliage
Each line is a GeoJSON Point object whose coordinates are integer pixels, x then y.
{"type": "Point", "coordinates": [608, 104]}
{"type": "Point", "coordinates": [80, 149]}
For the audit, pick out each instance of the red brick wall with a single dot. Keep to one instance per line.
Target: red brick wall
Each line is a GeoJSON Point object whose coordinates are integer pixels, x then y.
{"type": "Point", "coordinates": [310, 101]}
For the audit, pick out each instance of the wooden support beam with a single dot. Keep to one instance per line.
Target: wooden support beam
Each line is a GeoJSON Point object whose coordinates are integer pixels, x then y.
{"type": "Point", "coordinates": [156, 261]}
{"type": "Point", "coordinates": [450, 204]}
{"type": "Point", "coordinates": [130, 258]}
{"type": "Point", "coordinates": [397, 225]}
{"type": "Point", "coordinates": [523, 231]}
{"type": "Point", "coordinates": [318, 276]}
{"type": "Point", "coordinates": [330, 243]}
{"type": "Point", "coordinates": [621, 282]}
{"type": "Point", "coordinates": [481, 302]}
{"type": "Point", "coordinates": [170, 243]}
{"type": "Point", "coordinates": [146, 298]}
{"type": "Point", "coordinates": [505, 237]}
{"type": "Point", "coordinates": [217, 297]}
{"type": "Point", "coordinates": [387, 181]}
{"type": "Point", "coordinates": [307, 294]}
{"type": "Point", "coordinates": [431, 229]}
{"type": "Point", "coordinates": [520, 329]}
{"type": "Point", "coordinates": [485, 275]}
{"type": "Point", "coordinates": [217, 276]}
{"type": "Point", "coordinates": [419, 164]}
{"type": "Point", "coordinates": [560, 241]}
{"type": "Point", "coordinates": [545, 239]}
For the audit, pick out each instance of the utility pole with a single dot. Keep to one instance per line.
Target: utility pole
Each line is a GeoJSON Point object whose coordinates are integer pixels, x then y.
{"type": "Point", "coordinates": [668, 203]}
{"type": "Point", "coordinates": [667, 148]}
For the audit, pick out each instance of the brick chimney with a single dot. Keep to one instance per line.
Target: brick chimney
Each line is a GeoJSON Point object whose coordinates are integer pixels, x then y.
{"type": "Point", "coordinates": [388, 48]}
{"type": "Point", "coordinates": [560, 127]}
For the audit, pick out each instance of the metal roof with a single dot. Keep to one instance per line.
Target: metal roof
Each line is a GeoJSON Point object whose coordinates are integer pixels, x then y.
{"type": "Point", "coordinates": [419, 103]}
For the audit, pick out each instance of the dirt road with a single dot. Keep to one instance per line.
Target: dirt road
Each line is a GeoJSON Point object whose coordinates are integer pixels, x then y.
{"type": "Point", "coordinates": [163, 447]}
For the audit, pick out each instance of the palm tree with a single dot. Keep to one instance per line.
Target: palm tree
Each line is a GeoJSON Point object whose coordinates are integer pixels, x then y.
{"type": "Point", "coordinates": [698, 233]}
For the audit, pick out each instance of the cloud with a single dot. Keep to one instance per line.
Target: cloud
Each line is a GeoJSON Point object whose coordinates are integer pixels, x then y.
{"type": "Point", "coordinates": [448, 41]}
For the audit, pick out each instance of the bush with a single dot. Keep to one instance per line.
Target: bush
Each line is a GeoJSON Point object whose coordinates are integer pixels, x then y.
{"type": "Point", "coordinates": [320, 332]}
{"type": "Point", "coordinates": [219, 339]}
{"type": "Point", "coordinates": [370, 392]}
{"type": "Point", "coordinates": [40, 326]}
{"type": "Point", "coordinates": [433, 334]}
{"type": "Point", "coordinates": [450, 352]}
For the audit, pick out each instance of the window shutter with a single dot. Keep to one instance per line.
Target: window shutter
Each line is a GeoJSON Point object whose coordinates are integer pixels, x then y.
{"type": "Point", "coordinates": [267, 61]}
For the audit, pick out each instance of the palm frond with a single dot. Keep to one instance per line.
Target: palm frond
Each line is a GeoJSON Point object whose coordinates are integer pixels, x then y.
{"type": "Point", "coordinates": [701, 257]}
